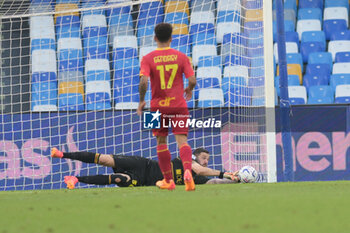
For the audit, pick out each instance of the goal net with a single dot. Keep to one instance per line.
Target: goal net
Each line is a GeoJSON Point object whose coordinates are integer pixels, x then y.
{"type": "Point", "coordinates": [70, 74]}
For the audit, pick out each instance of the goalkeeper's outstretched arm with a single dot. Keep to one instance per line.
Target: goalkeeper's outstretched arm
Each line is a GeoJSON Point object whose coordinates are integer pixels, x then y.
{"type": "Point", "coordinates": [222, 181]}
{"type": "Point", "coordinates": [205, 171]}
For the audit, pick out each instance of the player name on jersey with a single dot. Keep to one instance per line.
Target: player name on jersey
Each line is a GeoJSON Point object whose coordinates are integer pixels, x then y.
{"type": "Point", "coordinates": [167, 58]}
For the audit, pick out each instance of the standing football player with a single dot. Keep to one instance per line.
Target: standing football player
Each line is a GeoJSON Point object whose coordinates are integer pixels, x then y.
{"type": "Point", "coordinates": [165, 68]}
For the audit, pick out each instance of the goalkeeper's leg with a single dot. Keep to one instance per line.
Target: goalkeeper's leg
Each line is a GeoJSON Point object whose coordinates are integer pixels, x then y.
{"type": "Point", "coordinates": [120, 179]}
{"type": "Point", "coordinates": [86, 157]}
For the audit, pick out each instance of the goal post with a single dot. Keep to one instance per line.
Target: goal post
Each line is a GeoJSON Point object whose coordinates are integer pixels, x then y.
{"type": "Point", "coordinates": [70, 73]}
{"type": "Point", "coordinates": [270, 95]}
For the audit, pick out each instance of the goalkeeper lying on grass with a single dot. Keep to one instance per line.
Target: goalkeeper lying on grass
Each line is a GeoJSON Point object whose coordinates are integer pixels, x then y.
{"type": "Point", "coordinates": [138, 171]}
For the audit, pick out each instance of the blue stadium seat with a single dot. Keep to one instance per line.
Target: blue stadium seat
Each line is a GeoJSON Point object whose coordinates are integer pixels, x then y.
{"type": "Point", "coordinates": [331, 26]}
{"type": "Point", "coordinates": [342, 57]}
{"type": "Point", "coordinates": [293, 80]}
{"type": "Point", "coordinates": [202, 28]}
{"type": "Point", "coordinates": [95, 42]}
{"type": "Point", "coordinates": [254, 40]}
{"type": "Point", "coordinates": [321, 91]}
{"type": "Point", "coordinates": [255, 50]}
{"type": "Point", "coordinates": [182, 43]}
{"type": "Point", "coordinates": [203, 38]}
{"type": "Point", "coordinates": [67, 32]}
{"type": "Point", "coordinates": [258, 101]}
{"type": "Point", "coordinates": [44, 93]}
{"type": "Point", "coordinates": [342, 100]}
{"type": "Point", "coordinates": [126, 90]}
{"type": "Point", "coordinates": [292, 36]}
{"type": "Point", "coordinates": [68, 1]}
{"type": "Point", "coordinates": [42, 44]}
{"type": "Point", "coordinates": [100, 52]}
{"type": "Point", "coordinates": [340, 35]}
{"type": "Point", "coordinates": [228, 16]}
{"type": "Point", "coordinates": [71, 102]}
{"type": "Point", "coordinates": [320, 100]}
{"type": "Point", "coordinates": [318, 69]}
{"type": "Point", "coordinates": [314, 36]}
{"type": "Point", "coordinates": [238, 96]}
{"type": "Point", "coordinates": [206, 83]}
{"type": "Point", "coordinates": [257, 72]}
{"type": "Point", "coordinates": [288, 4]}
{"type": "Point", "coordinates": [227, 82]}
{"type": "Point", "coordinates": [253, 28]}
{"type": "Point", "coordinates": [209, 61]}
{"type": "Point", "coordinates": [297, 101]}
{"type": "Point", "coordinates": [97, 75]}
{"type": "Point", "coordinates": [110, 12]}
{"type": "Point", "coordinates": [130, 63]}
{"type": "Point", "coordinates": [94, 32]}
{"type": "Point", "coordinates": [253, 5]}
{"type": "Point", "coordinates": [306, 48]}
{"type": "Point", "coordinates": [209, 103]}
{"type": "Point", "coordinates": [121, 19]}
{"type": "Point", "coordinates": [311, 4]}
{"type": "Point", "coordinates": [321, 58]}
{"type": "Point", "coordinates": [315, 80]}
{"type": "Point", "coordinates": [43, 77]}
{"type": "Point", "coordinates": [151, 13]}
{"type": "Point", "coordinates": [127, 72]}
{"type": "Point", "coordinates": [342, 94]}
{"type": "Point", "coordinates": [257, 62]}
{"type": "Point", "coordinates": [42, 2]}
{"type": "Point", "coordinates": [337, 3]}
{"type": "Point", "coordinates": [234, 38]}
{"type": "Point", "coordinates": [124, 53]}
{"type": "Point", "coordinates": [92, 4]}
{"type": "Point", "coordinates": [145, 30]}
{"type": "Point", "coordinates": [310, 13]}
{"type": "Point", "coordinates": [176, 18]}
{"type": "Point", "coordinates": [339, 79]}
{"type": "Point", "coordinates": [289, 26]}
{"type": "Point", "coordinates": [98, 101]}
{"type": "Point", "coordinates": [67, 20]}
{"type": "Point", "coordinates": [236, 60]}
{"type": "Point", "coordinates": [295, 58]}
{"type": "Point", "coordinates": [256, 82]}
{"type": "Point", "coordinates": [70, 60]}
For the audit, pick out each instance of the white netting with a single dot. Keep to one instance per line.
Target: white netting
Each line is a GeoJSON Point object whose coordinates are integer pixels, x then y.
{"type": "Point", "coordinates": [70, 74]}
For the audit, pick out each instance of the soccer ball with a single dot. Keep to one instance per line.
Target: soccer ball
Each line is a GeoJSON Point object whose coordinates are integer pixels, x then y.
{"type": "Point", "coordinates": [248, 174]}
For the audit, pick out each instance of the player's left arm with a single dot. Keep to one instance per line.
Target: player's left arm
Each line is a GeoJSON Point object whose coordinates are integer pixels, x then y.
{"type": "Point", "coordinates": [142, 90]}
{"type": "Point", "coordinates": [145, 71]}
{"type": "Point", "coordinates": [205, 171]}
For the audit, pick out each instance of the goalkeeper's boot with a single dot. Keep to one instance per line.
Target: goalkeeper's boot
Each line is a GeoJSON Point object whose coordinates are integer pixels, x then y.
{"type": "Point", "coordinates": [55, 153]}
{"type": "Point", "coordinates": [189, 182]}
{"type": "Point", "coordinates": [70, 181]}
{"type": "Point", "coordinates": [162, 184]}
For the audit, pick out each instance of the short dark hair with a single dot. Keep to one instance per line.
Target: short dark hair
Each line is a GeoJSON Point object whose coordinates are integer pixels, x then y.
{"type": "Point", "coordinates": [197, 151]}
{"type": "Point", "coordinates": [163, 32]}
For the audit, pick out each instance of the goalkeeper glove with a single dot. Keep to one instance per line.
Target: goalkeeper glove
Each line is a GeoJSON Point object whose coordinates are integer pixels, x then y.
{"type": "Point", "coordinates": [227, 175]}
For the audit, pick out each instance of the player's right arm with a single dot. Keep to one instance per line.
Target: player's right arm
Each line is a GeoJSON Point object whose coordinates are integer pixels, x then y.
{"type": "Point", "coordinates": [191, 84]}
{"type": "Point", "coordinates": [189, 73]}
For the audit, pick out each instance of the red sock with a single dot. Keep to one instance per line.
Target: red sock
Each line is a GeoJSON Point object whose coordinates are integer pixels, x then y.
{"type": "Point", "coordinates": [164, 161]}
{"type": "Point", "coordinates": [186, 156]}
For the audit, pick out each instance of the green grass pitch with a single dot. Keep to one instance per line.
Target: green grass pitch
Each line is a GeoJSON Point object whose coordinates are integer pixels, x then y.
{"type": "Point", "coordinates": [283, 207]}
